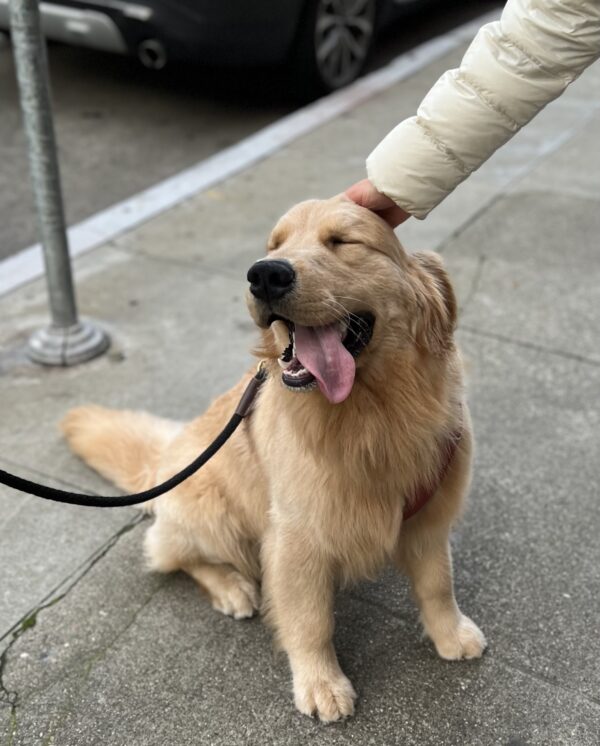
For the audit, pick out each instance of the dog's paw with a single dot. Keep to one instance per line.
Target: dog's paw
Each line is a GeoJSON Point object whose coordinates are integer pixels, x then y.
{"type": "Point", "coordinates": [330, 698]}
{"type": "Point", "coordinates": [237, 597]}
{"type": "Point", "coordinates": [465, 641]}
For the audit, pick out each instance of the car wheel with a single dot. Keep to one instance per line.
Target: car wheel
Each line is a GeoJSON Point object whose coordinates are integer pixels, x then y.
{"type": "Point", "coordinates": [333, 44]}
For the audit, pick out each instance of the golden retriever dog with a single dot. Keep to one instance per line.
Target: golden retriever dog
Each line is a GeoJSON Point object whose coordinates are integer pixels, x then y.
{"type": "Point", "coordinates": [365, 388]}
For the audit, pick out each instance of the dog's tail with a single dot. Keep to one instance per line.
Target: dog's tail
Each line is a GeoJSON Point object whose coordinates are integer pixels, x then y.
{"type": "Point", "coordinates": [124, 446]}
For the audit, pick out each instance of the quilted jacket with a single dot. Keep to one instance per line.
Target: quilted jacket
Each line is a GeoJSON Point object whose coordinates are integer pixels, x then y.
{"type": "Point", "coordinates": [512, 69]}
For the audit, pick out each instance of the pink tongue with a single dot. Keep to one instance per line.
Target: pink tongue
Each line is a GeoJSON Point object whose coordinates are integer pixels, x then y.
{"type": "Point", "coordinates": [320, 350]}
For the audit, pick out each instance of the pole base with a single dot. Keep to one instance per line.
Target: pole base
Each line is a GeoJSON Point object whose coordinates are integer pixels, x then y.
{"type": "Point", "coordinates": [67, 345]}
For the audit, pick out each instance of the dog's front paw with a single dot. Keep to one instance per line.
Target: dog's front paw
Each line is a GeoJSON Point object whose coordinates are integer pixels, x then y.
{"type": "Point", "coordinates": [331, 698]}
{"type": "Point", "coordinates": [466, 640]}
{"type": "Point", "coordinates": [237, 597]}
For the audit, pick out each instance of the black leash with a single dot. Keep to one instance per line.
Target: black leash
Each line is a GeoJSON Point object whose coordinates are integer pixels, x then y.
{"type": "Point", "coordinates": [98, 501]}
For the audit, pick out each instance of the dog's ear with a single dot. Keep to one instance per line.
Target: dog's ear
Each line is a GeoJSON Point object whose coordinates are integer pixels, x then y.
{"type": "Point", "coordinates": [437, 304]}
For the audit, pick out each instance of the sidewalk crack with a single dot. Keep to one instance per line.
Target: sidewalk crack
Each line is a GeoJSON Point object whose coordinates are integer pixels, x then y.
{"type": "Point", "coordinates": [507, 188]}
{"type": "Point", "coordinates": [85, 669]}
{"type": "Point", "coordinates": [8, 697]}
{"type": "Point", "coordinates": [475, 283]}
{"type": "Point", "coordinates": [548, 680]}
{"type": "Point", "coordinates": [529, 345]}
{"type": "Point", "coordinates": [472, 219]}
{"type": "Point", "coordinates": [43, 474]}
{"type": "Point", "coordinates": [198, 266]}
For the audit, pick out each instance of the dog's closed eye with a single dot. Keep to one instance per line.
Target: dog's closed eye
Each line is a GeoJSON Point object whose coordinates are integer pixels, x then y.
{"type": "Point", "coordinates": [337, 239]}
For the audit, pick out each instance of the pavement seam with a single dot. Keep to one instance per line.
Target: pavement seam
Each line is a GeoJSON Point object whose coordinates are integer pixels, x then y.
{"type": "Point", "coordinates": [509, 665]}
{"type": "Point", "coordinates": [475, 283]}
{"type": "Point", "coordinates": [29, 620]}
{"type": "Point", "coordinates": [87, 665]}
{"type": "Point", "coordinates": [196, 266]}
{"type": "Point", "coordinates": [510, 185]}
{"type": "Point", "coordinates": [39, 473]}
{"type": "Point", "coordinates": [548, 680]}
{"type": "Point", "coordinates": [529, 345]}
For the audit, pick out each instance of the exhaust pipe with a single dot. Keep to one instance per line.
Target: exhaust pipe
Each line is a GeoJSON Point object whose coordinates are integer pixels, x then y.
{"type": "Point", "coordinates": [152, 54]}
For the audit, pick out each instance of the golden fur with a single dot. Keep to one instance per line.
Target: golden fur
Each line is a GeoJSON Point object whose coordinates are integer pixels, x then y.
{"type": "Point", "coordinates": [308, 495]}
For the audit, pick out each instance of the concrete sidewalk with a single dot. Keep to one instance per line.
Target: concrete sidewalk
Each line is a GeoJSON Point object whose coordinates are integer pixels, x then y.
{"type": "Point", "coordinates": [98, 651]}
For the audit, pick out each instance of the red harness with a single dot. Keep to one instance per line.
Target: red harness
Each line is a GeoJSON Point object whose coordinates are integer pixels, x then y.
{"type": "Point", "coordinates": [425, 492]}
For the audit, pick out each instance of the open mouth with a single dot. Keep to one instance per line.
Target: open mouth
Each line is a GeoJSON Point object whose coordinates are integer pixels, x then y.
{"type": "Point", "coordinates": [324, 356]}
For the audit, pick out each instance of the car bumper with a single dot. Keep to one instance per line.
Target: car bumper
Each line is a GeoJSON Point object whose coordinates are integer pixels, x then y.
{"type": "Point", "coordinates": [82, 27]}
{"type": "Point", "coordinates": [224, 32]}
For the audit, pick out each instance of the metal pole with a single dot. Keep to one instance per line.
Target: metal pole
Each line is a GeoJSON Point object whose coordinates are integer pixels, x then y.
{"type": "Point", "coordinates": [67, 340]}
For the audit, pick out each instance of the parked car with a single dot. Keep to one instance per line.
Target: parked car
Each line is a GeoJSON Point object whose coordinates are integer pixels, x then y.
{"type": "Point", "coordinates": [327, 42]}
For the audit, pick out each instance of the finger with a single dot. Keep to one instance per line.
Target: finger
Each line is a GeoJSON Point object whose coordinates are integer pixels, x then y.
{"type": "Point", "coordinates": [355, 193]}
{"type": "Point", "coordinates": [365, 194]}
{"type": "Point", "coordinates": [394, 216]}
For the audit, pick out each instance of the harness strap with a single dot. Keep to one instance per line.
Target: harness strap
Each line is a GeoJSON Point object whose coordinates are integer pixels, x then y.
{"type": "Point", "coordinates": [425, 492]}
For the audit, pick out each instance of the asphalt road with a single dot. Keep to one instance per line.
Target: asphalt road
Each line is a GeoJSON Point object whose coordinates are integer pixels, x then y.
{"type": "Point", "coordinates": [122, 128]}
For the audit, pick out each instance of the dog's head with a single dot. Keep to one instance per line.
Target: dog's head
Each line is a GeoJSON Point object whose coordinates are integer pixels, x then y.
{"type": "Point", "coordinates": [337, 293]}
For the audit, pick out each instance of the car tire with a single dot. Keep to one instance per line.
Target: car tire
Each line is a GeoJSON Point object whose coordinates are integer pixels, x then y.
{"type": "Point", "coordinates": [332, 46]}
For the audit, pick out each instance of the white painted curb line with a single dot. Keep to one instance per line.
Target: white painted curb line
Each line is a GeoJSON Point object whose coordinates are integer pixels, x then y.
{"type": "Point", "coordinates": [122, 217]}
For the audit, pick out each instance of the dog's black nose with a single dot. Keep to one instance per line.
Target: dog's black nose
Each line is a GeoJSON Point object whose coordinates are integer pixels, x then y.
{"type": "Point", "coordinates": [271, 279]}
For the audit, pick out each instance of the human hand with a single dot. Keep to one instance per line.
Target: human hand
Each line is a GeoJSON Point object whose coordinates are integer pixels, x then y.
{"type": "Point", "coordinates": [365, 195]}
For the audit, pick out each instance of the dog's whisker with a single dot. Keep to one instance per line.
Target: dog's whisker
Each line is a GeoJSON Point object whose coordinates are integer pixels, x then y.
{"type": "Point", "coordinates": [344, 315]}
{"type": "Point", "coordinates": [352, 316]}
{"type": "Point", "coordinates": [346, 310]}
{"type": "Point", "coordinates": [339, 315]}
{"type": "Point", "coordinates": [358, 300]}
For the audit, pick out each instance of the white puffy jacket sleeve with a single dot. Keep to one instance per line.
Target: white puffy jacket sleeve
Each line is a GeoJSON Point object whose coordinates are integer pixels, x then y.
{"type": "Point", "coordinates": [512, 69]}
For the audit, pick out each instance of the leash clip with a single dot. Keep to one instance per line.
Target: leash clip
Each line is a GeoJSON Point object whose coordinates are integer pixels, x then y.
{"type": "Point", "coordinates": [244, 407]}
{"type": "Point", "coordinates": [261, 369]}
